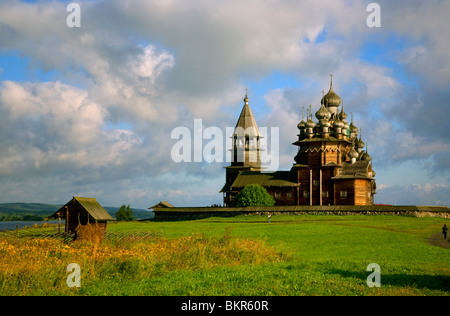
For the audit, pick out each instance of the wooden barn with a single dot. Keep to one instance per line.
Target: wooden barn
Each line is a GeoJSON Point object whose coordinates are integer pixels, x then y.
{"type": "Point", "coordinates": [81, 211]}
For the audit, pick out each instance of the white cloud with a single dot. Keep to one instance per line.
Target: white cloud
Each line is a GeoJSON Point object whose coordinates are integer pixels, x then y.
{"type": "Point", "coordinates": [383, 186]}
{"type": "Point", "coordinates": [151, 64]}
{"type": "Point", "coordinates": [58, 109]}
{"type": "Point", "coordinates": [54, 128]}
{"type": "Point", "coordinates": [414, 194]}
{"type": "Point", "coordinates": [154, 65]}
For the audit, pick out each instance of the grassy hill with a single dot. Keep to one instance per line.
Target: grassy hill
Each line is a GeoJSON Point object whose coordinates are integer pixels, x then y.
{"type": "Point", "coordinates": [40, 211]}
{"type": "Point", "coordinates": [28, 207]}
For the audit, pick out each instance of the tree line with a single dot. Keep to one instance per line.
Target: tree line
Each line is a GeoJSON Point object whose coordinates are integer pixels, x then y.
{"type": "Point", "coordinates": [16, 217]}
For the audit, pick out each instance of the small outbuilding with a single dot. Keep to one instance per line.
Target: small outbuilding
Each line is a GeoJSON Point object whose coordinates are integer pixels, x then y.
{"type": "Point", "coordinates": [162, 204]}
{"type": "Point", "coordinates": [81, 211]}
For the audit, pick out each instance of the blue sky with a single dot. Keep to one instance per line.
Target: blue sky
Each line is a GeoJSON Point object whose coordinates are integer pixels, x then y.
{"type": "Point", "coordinates": [17, 68]}
{"type": "Point", "coordinates": [89, 111]}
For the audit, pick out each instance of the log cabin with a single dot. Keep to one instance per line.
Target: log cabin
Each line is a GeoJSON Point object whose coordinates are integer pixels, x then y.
{"type": "Point", "coordinates": [82, 211]}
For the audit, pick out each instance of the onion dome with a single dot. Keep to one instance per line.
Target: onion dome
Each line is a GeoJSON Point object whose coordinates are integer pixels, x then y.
{"type": "Point", "coordinates": [331, 99]}
{"type": "Point", "coordinates": [325, 123]}
{"type": "Point", "coordinates": [343, 115]}
{"type": "Point", "coordinates": [338, 123]}
{"type": "Point", "coordinates": [302, 124]}
{"type": "Point", "coordinates": [323, 113]}
{"type": "Point", "coordinates": [353, 129]}
{"type": "Point", "coordinates": [360, 143]}
{"type": "Point", "coordinates": [353, 153]}
{"type": "Point", "coordinates": [310, 123]}
{"type": "Point", "coordinates": [366, 157]}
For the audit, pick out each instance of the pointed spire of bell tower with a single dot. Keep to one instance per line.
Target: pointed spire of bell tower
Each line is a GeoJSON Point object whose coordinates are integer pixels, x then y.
{"type": "Point", "coordinates": [246, 119]}
{"type": "Point", "coordinates": [246, 139]}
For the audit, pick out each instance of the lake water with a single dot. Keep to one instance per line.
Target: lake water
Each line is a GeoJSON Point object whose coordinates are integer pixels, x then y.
{"type": "Point", "coordinates": [13, 224]}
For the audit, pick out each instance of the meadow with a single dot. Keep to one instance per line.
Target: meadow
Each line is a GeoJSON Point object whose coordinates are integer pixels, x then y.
{"type": "Point", "coordinates": [243, 255]}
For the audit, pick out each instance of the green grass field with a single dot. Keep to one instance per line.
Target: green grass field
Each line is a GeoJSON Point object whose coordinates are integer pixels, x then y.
{"type": "Point", "coordinates": [246, 255]}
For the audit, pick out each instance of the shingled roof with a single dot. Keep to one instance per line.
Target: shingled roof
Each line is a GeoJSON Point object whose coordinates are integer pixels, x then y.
{"type": "Point", "coordinates": [247, 121]}
{"type": "Point", "coordinates": [276, 179]}
{"type": "Point", "coordinates": [358, 169]}
{"type": "Point", "coordinates": [163, 204]}
{"type": "Point", "coordinates": [90, 205]}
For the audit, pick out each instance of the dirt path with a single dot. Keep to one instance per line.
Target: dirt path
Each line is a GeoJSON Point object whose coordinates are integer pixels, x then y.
{"type": "Point", "coordinates": [438, 240]}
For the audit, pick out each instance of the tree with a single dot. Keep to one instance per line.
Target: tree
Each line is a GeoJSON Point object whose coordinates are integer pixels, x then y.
{"type": "Point", "coordinates": [253, 195]}
{"type": "Point", "coordinates": [124, 214]}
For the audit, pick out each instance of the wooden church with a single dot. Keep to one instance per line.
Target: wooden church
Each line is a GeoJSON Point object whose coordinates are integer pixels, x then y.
{"type": "Point", "coordinates": [331, 166]}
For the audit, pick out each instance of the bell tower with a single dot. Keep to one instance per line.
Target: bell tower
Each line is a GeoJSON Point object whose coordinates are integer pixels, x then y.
{"type": "Point", "coordinates": [246, 140]}
{"type": "Point", "coordinates": [245, 149]}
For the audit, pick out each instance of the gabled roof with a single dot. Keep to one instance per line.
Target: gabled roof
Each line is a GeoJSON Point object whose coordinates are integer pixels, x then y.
{"type": "Point", "coordinates": [90, 205]}
{"type": "Point", "coordinates": [275, 179]}
{"type": "Point", "coordinates": [163, 204]}
{"type": "Point", "coordinates": [225, 188]}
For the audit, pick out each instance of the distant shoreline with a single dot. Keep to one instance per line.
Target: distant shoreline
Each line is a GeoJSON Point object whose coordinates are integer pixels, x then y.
{"type": "Point", "coordinates": [38, 212]}
{"type": "Point", "coordinates": [13, 225]}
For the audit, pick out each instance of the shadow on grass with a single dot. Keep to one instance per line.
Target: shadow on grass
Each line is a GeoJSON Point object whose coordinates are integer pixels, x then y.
{"type": "Point", "coordinates": [431, 282]}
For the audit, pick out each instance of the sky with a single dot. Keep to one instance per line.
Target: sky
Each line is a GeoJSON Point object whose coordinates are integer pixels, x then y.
{"type": "Point", "coordinates": [90, 110]}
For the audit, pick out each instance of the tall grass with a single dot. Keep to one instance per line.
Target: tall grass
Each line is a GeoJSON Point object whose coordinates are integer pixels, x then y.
{"type": "Point", "coordinates": [35, 266]}
{"type": "Point", "coordinates": [244, 255]}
